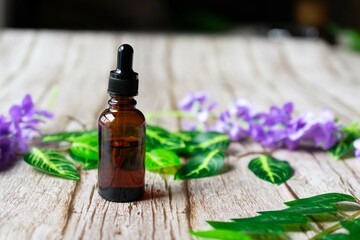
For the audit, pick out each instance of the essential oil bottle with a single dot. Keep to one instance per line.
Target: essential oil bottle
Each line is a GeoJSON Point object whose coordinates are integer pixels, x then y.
{"type": "Point", "coordinates": [121, 128]}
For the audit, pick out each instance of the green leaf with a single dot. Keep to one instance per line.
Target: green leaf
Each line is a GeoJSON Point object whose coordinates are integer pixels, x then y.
{"type": "Point", "coordinates": [221, 234]}
{"type": "Point", "coordinates": [157, 137]}
{"type": "Point", "coordinates": [69, 136]}
{"type": "Point", "coordinates": [211, 140]}
{"type": "Point", "coordinates": [276, 217]}
{"type": "Point", "coordinates": [352, 226]}
{"type": "Point", "coordinates": [307, 209]}
{"type": "Point", "coordinates": [205, 164]}
{"type": "Point", "coordinates": [187, 136]}
{"type": "Point", "coordinates": [311, 209]}
{"type": "Point", "coordinates": [85, 148]}
{"type": "Point", "coordinates": [87, 164]}
{"type": "Point", "coordinates": [52, 162]}
{"type": "Point", "coordinates": [342, 148]}
{"type": "Point", "coordinates": [323, 198]}
{"type": "Point", "coordinates": [274, 224]}
{"type": "Point", "coordinates": [339, 236]}
{"type": "Point", "coordinates": [352, 39]}
{"type": "Point", "coordinates": [251, 228]}
{"type": "Point", "coordinates": [197, 141]}
{"type": "Point", "coordinates": [345, 145]}
{"type": "Point", "coordinates": [90, 165]}
{"type": "Point", "coordinates": [161, 158]}
{"type": "Point", "coordinates": [271, 169]}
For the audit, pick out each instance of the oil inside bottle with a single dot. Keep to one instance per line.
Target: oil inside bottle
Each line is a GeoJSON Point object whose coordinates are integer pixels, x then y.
{"type": "Point", "coordinates": [121, 168]}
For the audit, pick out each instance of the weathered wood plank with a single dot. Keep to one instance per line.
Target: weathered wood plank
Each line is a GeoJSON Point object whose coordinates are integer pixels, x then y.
{"type": "Point", "coordinates": [31, 205]}
{"type": "Point", "coordinates": [332, 91]}
{"type": "Point", "coordinates": [283, 89]}
{"type": "Point", "coordinates": [34, 205]}
{"type": "Point", "coordinates": [15, 52]}
{"type": "Point", "coordinates": [232, 193]}
{"type": "Point", "coordinates": [164, 205]}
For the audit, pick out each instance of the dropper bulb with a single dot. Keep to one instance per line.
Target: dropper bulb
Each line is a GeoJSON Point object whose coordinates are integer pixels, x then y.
{"type": "Point", "coordinates": [125, 58]}
{"type": "Point", "coordinates": [123, 81]}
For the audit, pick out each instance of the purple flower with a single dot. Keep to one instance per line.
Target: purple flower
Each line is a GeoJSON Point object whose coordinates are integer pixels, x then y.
{"type": "Point", "coordinates": [275, 128]}
{"type": "Point", "coordinates": [278, 115]}
{"type": "Point", "coordinates": [4, 126]}
{"type": "Point", "coordinates": [278, 128]}
{"type": "Point", "coordinates": [19, 130]}
{"type": "Point", "coordinates": [7, 151]}
{"type": "Point", "coordinates": [230, 125]}
{"type": "Point", "coordinates": [270, 129]}
{"type": "Point", "coordinates": [25, 119]}
{"type": "Point", "coordinates": [7, 143]}
{"type": "Point", "coordinates": [193, 101]}
{"type": "Point", "coordinates": [310, 130]}
{"type": "Point", "coordinates": [198, 104]}
{"type": "Point", "coordinates": [203, 113]}
{"type": "Point", "coordinates": [243, 109]}
{"type": "Point", "coordinates": [269, 136]}
{"type": "Point", "coordinates": [234, 122]}
{"type": "Point", "coordinates": [356, 145]}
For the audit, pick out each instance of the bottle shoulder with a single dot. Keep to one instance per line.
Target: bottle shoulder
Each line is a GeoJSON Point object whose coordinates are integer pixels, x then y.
{"type": "Point", "coordinates": [134, 116]}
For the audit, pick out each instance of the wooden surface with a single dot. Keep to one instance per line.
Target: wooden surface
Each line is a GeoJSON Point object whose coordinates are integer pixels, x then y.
{"type": "Point", "coordinates": [309, 73]}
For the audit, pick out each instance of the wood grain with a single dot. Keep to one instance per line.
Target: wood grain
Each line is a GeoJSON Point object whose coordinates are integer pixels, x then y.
{"type": "Point", "coordinates": [309, 73]}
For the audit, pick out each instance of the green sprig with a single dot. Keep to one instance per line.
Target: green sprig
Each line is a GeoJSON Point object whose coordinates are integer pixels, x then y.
{"type": "Point", "coordinates": [297, 216]}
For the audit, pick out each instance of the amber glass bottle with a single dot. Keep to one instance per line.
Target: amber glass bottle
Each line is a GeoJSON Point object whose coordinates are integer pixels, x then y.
{"type": "Point", "coordinates": [122, 135]}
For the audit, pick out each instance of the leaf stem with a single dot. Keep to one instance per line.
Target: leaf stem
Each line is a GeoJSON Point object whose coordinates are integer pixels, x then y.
{"type": "Point", "coordinates": [314, 228]}
{"type": "Point", "coordinates": [343, 214]}
{"type": "Point", "coordinates": [54, 92]}
{"type": "Point", "coordinates": [334, 227]}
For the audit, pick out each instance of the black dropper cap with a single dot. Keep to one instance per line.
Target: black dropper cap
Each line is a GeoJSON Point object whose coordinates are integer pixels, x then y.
{"type": "Point", "coordinates": [123, 81]}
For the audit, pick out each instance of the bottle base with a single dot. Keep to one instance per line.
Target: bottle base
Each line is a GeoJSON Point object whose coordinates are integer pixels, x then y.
{"type": "Point", "coordinates": [124, 194]}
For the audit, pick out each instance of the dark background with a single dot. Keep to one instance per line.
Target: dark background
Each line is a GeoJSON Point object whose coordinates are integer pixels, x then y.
{"type": "Point", "coordinates": [179, 15]}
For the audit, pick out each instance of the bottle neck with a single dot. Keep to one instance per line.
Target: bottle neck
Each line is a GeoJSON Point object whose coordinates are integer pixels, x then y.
{"type": "Point", "coordinates": [121, 103]}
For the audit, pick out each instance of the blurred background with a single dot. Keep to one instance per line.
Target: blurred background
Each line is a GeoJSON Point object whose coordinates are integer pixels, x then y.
{"type": "Point", "coordinates": [302, 18]}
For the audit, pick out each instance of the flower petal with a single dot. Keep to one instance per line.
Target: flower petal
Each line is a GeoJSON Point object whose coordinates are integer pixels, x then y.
{"type": "Point", "coordinates": [356, 144]}
{"type": "Point", "coordinates": [27, 104]}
